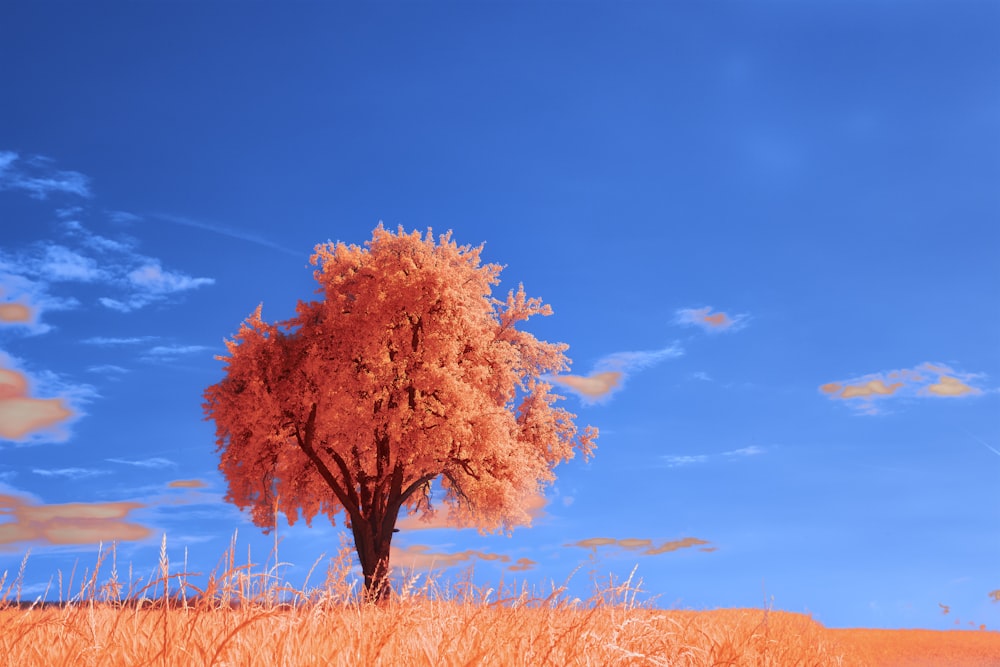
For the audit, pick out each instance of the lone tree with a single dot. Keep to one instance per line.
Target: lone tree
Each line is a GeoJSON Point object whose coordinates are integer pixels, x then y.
{"type": "Point", "coordinates": [406, 370]}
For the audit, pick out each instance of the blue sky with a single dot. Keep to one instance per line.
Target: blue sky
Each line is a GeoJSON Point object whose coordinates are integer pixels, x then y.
{"type": "Point", "coordinates": [780, 223]}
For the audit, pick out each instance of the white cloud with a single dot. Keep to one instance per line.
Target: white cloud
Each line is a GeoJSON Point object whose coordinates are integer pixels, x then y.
{"type": "Point", "coordinates": [123, 217]}
{"type": "Point", "coordinates": [68, 212]}
{"type": "Point", "coordinates": [637, 361]}
{"type": "Point", "coordinates": [36, 177]}
{"type": "Point", "coordinates": [154, 462]}
{"type": "Point", "coordinates": [102, 340]}
{"type": "Point", "coordinates": [152, 278]}
{"type": "Point", "coordinates": [120, 306]}
{"type": "Point", "coordinates": [709, 321]}
{"type": "Point", "coordinates": [106, 369]}
{"type": "Point", "coordinates": [752, 450]}
{"type": "Point", "coordinates": [96, 241]}
{"type": "Point", "coordinates": [162, 351]}
{"type": "Point", "coordinates": [677, 461]}
{"type": "Point", "coordinates": [72, 473]}
{"type": "Point", "coordinates": [7, 158]}
{"type": "Point", "coordinates": [60, 264]}
{"type": "Point", "coordinates": [81, 256]}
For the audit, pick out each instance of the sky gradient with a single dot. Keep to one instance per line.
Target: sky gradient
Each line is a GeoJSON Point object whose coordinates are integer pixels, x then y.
{"type": "Point", "coordinates": [769, 235]}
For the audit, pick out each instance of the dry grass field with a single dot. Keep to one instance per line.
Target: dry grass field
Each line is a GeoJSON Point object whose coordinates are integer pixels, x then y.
{"type": "Point", "coordinates": [233, 623]}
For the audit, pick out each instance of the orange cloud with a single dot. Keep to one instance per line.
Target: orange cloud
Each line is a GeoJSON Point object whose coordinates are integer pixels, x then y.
{"type": "Point", "coordinates": [717, 320]}
{"type": "Point", "coordinates": [949, 386]}
{"type": "Point", "coordinates": [706, 319]}
{"type": "Point", "coordinates": [69, 523]}
{"type": "Point", "coordinates": [636, 543]}
{"type": "Point", "coordinates": [419, 558]}
{"type": "Point", "coordinates": [15, 312]}
{"type": "Point", "coordinates": [869, 389]}
{"type": "Point", "coordinates": [596, 385]}
{"type": "Point", "coordinates": [926, 380]}
{"type": "Point", "coordinates": [677, 544]}
{"type": "Point", "coordinates": [12, 384]}
{"type": "Point", "coordinates": [522, 564]}
{"type": "Point", "coordinates": [186, 484]}
{"type": "Point", "coordinates": [20, 414]}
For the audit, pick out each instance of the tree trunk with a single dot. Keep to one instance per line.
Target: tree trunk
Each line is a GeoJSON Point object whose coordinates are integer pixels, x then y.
{"type": "Point", "coordinates": [373, 552]}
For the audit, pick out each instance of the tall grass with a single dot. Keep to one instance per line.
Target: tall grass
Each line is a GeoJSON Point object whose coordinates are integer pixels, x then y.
{"type": "Point", "coordinates": [238, 620]}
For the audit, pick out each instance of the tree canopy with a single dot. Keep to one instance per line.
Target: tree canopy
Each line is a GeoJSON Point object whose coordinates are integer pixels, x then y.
{"type": "Point", "coordinates": [406, 370]}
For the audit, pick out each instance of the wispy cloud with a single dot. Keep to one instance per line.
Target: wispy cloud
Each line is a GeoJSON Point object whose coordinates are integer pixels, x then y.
{"type": "Point", "coordinates": [70, 473]}
{"type": "Point", "coordinates": [78, 256]}
{"type": "Point", "coordinates": [151, 283]}
{"type": "Point", "coordinates": [122, 217]}
{"type": "Point", "coordinates": [610, 372]}
{"type": "Point", "coordinates": [709, 321]}
{"type": "Point", "coordinates": [36, 176]}
{"type": "Point", "coordinates": [927, 380]}
{"type": "Point", "coordinates": [107, 369]}
{"type": "Point", "coordinates": [249, 237]}
{"type": "Point", "coordinates": [60, 264]}
{"type": "Point", "coordinates": [154, 280]}
{"type": "Point", "coordinates": [27, 275]}
{"type": "Point", "coordinates": [110, 341]}
{"type": "Point", "coordinates": [95, 241]}
{"type": "Point", "coordinates": [155, 462]}
{"type": "Point", "coordinates": [174, 350]}
{"type": "Point", "coordinates": [646, 546]}
{"type": "Point", "coordinates": [677, 461]}
{"type": "Point", "coordinates": [984, 443]}
{"type": "Point", "coordinates": [696, 459]}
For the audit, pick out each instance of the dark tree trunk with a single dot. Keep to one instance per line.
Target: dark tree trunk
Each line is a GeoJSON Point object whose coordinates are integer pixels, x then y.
{"type": "Point", "coordinates": [372, 544]}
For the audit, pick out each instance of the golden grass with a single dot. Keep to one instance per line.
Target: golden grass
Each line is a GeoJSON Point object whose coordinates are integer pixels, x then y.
{"type": "Point", "coordinates": [231, 624]}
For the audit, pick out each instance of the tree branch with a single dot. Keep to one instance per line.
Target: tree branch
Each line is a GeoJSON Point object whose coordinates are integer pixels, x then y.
{"type": "Point", "coordinates": [347, 498]}
{"type": "Point", "coordinates": [342, 465]}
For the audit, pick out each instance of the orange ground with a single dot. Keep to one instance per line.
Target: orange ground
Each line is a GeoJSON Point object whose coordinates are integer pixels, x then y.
{"type": "Point", "coordinates": [923, 648]}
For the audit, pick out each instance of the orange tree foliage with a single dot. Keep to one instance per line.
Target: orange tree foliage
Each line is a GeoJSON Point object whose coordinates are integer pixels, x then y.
{"type": "Point", "coordinates": [405, 371]}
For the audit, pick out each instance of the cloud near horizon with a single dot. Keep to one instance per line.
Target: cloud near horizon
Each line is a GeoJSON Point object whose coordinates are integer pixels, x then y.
{"type": "Point", "coordinates": [610, 372]}
{"type": "Point", "coordinates": [709, 321]}
{"type": "Point", "coordinates": [419, 557]}
{"type": "Point", "coordinates": [66, 523]}
{"type": "Point", "coordinates": [634, 544]}
{"type": "Point", "coordinates": [927, 380]}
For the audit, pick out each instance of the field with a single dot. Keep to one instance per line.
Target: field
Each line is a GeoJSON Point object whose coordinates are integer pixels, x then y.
{"type": "Point", "coordinates": [235, 623]}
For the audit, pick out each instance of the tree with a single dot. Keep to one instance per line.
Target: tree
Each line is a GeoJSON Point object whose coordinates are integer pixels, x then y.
{"type": "Point", "coordinates": [406, 370]}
